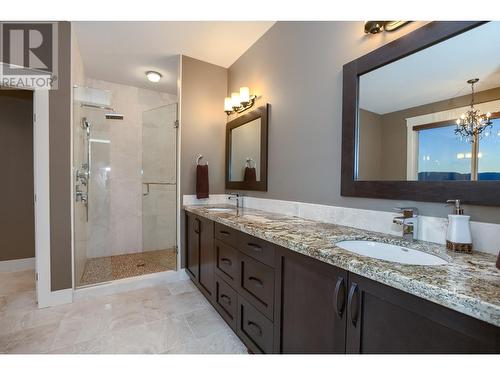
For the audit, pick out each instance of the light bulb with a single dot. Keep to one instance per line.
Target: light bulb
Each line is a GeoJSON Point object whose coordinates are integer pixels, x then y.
{"type": "Point", "coordinates": [153, 76]}
{"type": "Point", "coordinates": [244, 95]}
{"type": "Point", "coordinates": [235, 100]}
{"type": "Point", "coordinates": [228, 105]}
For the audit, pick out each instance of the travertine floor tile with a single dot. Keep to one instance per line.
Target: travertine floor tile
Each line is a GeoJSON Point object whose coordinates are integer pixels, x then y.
{"type": "Point", "coordinates": [171, 318]}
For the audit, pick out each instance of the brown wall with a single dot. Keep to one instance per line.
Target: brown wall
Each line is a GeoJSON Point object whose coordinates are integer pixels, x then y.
{"type": "Point", "coordinates": [60, 166]}
{"type": "Point", "coordinates": [370, 146]}
{"type": "Point", "coordinates": [203, 124]}
{"type": "Point", "coordinates": [17, 222]}
{"type": "Point", "coordinates": [297, 67]}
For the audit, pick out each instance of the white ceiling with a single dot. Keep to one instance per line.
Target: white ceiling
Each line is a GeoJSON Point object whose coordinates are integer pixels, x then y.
{"type": "Point", "coordinates": [123, 51]}
{"type": "Point", "coordinates": [436, 73]}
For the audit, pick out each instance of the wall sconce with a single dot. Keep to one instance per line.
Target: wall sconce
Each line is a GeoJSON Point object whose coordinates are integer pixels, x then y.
{"type": "Point", "coordinates": [239, 101]}
{"type": "Point", "coordinates": [375, 27]}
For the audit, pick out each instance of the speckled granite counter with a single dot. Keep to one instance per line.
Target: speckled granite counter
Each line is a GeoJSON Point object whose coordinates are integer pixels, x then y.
{"type": "Point", "coordinates": [469, 283]}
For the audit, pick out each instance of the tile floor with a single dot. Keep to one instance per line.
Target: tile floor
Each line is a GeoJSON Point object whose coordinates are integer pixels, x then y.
{"type": "Point", "coordinates": [102, 269]}
{"type": "Point", "coordinates": [171, 318]}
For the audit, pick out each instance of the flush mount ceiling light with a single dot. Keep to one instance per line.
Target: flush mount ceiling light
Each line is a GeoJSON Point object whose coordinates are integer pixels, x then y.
{"type": "Point", "coordinates": [239, 101]}
{"type": "Point", "coordinates": [153, 76]}
{"type": "Point", "coordinates": [375, 27]}
{"type": "Point", "coordinates": [473, 123]}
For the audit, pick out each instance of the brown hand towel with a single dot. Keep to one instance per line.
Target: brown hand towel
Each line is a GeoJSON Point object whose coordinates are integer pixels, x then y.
{"type": "Point", "coordinates": [202, 181]}
{"type": "Point", "coordinates": [250, 175]}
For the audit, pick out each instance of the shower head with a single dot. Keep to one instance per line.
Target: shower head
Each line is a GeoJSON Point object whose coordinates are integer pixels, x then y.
{"type": "Point", "coordinates": [114, 116]}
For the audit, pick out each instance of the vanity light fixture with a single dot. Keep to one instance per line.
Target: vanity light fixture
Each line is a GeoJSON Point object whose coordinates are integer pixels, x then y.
{"type": "Point", "coordinates": [239, 101]}
{"type": "Point", "coordinates": [375, 27]}
{"type": "Point", "coordinates": [153, 76]}
{"type": "Point", "coordinates": [473, 123]}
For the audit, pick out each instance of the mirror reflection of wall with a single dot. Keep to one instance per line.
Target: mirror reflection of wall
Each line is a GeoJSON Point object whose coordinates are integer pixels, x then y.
{"type": "Point", "coordinates": [408, 111]}
{"type": "Point", "coordinates": [245, 152]}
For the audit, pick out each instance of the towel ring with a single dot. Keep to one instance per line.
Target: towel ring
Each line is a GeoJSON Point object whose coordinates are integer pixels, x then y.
{"type": "Point", "coordinates": [200, 156]}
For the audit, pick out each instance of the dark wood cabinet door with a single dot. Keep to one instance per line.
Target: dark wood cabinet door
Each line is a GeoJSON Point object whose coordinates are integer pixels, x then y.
{"type": "Point", "coordinates": [312, 300]}
{"type": "Point", "coordinates": [193, 246]}
{"type": "Point", "coordinates": [381, 319]}
{"type": "Point", "coordinates": [207, 257]}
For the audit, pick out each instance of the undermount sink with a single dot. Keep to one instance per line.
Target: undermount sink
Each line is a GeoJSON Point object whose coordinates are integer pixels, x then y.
{"type": "Point", "coordinates": [391, 253]}
{"type": "Point", "coordinates": [220, 209]}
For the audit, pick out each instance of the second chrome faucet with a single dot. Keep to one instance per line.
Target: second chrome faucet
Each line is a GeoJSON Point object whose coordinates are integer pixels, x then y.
{"type": "Point", "coordinates": [409, 222]}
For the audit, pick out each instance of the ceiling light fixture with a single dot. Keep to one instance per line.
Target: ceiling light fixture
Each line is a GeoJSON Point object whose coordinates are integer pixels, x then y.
{"type": "Point", "coordinates": [375, 27]}
{"type": "Point", "coordinates": [153, 76]}
{"type": "Point", "coordinates": [239, 101]}
{"type": "Point", "coordinates": [473, 123]}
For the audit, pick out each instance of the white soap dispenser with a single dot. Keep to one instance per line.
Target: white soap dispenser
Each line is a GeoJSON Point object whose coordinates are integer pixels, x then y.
{"type": "Point", "coordinates": [458, 235]}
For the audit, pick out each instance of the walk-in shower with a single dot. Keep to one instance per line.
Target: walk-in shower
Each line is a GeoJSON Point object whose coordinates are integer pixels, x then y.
{"type": "Point", "coordinates": [125, 185]}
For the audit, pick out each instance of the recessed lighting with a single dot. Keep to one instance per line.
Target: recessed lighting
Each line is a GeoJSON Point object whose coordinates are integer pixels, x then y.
{"type": "Point", "coordinates": [153, 76]}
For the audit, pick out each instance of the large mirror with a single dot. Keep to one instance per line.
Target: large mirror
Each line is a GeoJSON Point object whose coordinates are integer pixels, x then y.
{"type": "Point", "coordinates": [426, 120]}
{"type": "Point", "coordinates": [246, 151]}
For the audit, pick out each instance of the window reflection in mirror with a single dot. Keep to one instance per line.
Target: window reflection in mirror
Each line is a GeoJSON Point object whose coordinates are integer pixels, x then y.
{"type": "Point", "coordinates": [407, 112]}
{"type": "Point", "coordinates": [245, 152]}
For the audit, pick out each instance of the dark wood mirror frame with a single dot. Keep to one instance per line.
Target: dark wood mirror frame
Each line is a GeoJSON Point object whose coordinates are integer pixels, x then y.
{"type": "Point", "coordinates": [262, 113]}
{"type": "Point", "coordinates": [475, 192]}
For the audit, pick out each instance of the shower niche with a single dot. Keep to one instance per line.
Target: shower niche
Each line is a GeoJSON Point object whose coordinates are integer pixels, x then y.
{"type": "Point", "coordinates": [124, 162]}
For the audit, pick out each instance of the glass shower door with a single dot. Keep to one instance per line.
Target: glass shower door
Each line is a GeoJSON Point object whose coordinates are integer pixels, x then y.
{"type": "Point", "coordinates": [159, 185]}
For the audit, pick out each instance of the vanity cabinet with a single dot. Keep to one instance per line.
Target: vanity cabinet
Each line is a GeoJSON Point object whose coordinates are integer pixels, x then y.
{"type": "Point", "coordinates": [280, 301]}
{"type": "Point", "coordinates": [381, 319]}
{"type": "Point", "coordinates": [312, 303]}
{"type": "Point", "coordinates": [200, 253]}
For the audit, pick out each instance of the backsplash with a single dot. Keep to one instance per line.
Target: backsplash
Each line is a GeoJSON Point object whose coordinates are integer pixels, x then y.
{"type": "Point", "coordinates": [485, 236]}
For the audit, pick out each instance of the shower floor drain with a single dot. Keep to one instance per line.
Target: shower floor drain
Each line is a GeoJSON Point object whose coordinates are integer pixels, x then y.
{"type": "Point", "coordinates": [142, 264]}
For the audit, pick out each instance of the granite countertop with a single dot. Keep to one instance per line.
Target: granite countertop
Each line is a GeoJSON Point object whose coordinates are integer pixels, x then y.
{"type": "Point", "coordinates": [469, 284]}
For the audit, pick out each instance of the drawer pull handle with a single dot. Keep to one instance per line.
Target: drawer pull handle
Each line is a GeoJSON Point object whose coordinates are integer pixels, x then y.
{"type": "Point", "coordinates": [257, 327]}
{"type": "Point", "coordinates": [225, 233]}
{"type": "Point", "coordinates": [254, 247]}
{"type": "Point", "coordinates": [354, 306]}
{"type": "Point", "coordinates": [227, 261]}
{"type": "Point", "coordinates": [225, 299]}
{"type": "Point", "coordinates": [340, 296]}
{"type": "Point", "coordinates": [196, 225]}
{"type": "Point", "coordinates": [257, 281]}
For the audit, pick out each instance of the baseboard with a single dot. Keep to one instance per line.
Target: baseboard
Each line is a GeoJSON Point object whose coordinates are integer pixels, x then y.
{"type": "Point", "coordinates": [58, 297]}
{"type": "Point", "coordinates": [17, 265]}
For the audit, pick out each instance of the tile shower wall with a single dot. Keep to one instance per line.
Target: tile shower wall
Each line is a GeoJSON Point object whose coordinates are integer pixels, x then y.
{"type": "Point", "coordinates": [121, 231]}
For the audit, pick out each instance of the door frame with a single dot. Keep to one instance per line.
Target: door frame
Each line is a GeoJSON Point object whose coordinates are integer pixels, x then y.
{"type": "Point", "coordinates": [41, 183]}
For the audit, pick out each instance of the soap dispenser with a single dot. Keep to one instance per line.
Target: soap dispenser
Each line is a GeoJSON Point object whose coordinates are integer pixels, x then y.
{"type": "Point", "coordinates": [458, 235]}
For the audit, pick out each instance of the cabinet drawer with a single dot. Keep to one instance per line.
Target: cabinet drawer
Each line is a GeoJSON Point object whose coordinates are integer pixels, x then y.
{"type": "Point", "coordinates": [254, 329]}
{"type": "Point", "coordinates": [257, 284]}
{"type": "Point", "coordinates": [226, 302]}
{"type": "Point", "coordinates": [226, 264]}
{"type": "Point", "coordinates": [259, 249]}
{"type": "Point", "coordinates": [226, 234]}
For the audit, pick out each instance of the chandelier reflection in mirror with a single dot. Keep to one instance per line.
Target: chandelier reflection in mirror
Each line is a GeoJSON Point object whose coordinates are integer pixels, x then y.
{"type": "Point", "coordinates": [472, 124]}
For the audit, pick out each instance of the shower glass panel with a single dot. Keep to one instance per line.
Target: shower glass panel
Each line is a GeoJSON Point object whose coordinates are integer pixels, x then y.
{"type": "Point", "coordinates": [125, 187]}
{"type": "Point", "coordinates": [159, 184]}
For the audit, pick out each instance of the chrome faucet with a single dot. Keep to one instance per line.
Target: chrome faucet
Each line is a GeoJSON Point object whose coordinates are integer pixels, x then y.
{"type": "Point", "coordinates": [236, 196]}
{"type": "Point", "coordinates": [409, 222]}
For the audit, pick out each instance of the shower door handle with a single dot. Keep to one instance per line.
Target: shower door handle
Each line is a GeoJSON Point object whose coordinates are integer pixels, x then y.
{"type": "Point", "coordinates": [147, 189]}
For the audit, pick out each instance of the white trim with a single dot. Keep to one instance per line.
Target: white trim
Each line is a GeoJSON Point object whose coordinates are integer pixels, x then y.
{"type": "Point", "coordinates": [411, 152]}
{"type": "Point", "coordinates": [16, 265]}
{"type": "Point", "coordinates": [58, 297]}
{"type": "Point", "coordinates": [131, 283]}
{"type": "Point", "coordinates": [179, 147]}
{"type": "Point", "coordinates": [42, 194]}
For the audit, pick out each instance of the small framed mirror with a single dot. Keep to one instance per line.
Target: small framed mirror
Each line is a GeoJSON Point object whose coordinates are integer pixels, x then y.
{"type": "Point", "coordinates": [246, 151]}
